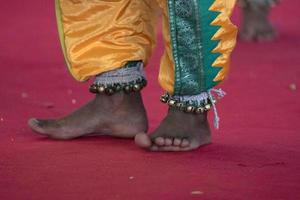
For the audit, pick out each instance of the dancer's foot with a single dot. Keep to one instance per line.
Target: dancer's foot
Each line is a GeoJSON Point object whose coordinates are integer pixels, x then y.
{"type": "Point", "coordinates": [256, 25]}
{"type": "Point", "coordinates": [179, 131]}
{"type": "Point", "coordinates": [120, 115]}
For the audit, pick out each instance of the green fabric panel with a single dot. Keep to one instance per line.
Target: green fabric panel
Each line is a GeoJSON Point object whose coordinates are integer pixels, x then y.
{"type": "Point", "coordinates": [206, 17]}
{"type": "Point", "coordinates": [186, 46]}
{"type": "Point", "coordinates": [192, 46]}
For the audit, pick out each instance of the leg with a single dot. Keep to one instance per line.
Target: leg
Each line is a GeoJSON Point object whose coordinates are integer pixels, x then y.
{"type": "Point", "coordinates": [100, 38]}
{"type": "Point", "coordinates": [256, 24]}
{"type": "Point", "coordinates": [116, 110]}
{"type": "Point", "coordinates": [198, 41]}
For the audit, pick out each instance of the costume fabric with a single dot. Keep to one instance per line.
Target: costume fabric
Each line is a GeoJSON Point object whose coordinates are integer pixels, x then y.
{"type": "Point", "coordinates": [130, 73]}
{"type": "Point", "coordinates": [99, 36]}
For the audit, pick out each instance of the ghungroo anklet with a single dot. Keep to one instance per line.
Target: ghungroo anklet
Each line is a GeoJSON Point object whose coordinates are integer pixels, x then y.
{"type": "Point", "coordinates": [130, 78]}
{"type": "Point", "coordinates": [187, 106]}
{"type": "Point", "coordinates": [196, 104]}
{"type": "Point", "coordinates": [110, 89]}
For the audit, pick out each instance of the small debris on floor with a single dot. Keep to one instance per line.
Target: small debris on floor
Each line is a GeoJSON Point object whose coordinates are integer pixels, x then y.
{"type": "Point", "coordinates": [48, 105]}
{"type": "Point", "coordinates": [131, 178]}
{"type": "Point", "coordinates": [24, 95]}
{"type": "Point", "coordinates": [242, 165]}
{"type": "Point", "coordinates": [293, 87]}
{"type": "Point", "coordinates": [196, 192]}
{"type": "Point", "coordinates": [12, 139]}
{"type": "Point", "coordinates": [280, 163]}
{"type": "Point", "coordinates": [1, 119]}
{"type": "Point", "coordinates": [74, 101]}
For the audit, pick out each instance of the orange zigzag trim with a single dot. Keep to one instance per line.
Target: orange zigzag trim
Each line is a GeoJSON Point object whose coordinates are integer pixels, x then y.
{"type": "Point", "coordinates": [226, 35]}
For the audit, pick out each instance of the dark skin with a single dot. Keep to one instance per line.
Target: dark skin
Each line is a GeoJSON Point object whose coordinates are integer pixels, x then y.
{"type": "Point", "coordinates": [256, 25]}
{"type": "Point", "coordinates": [179, 131]}
{"type": "Point", "coordinates": [120, 115]}
{"type": "Point", "coordinates": [123, 115]}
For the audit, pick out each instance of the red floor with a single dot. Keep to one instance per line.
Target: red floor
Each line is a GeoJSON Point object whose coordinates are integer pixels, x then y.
{"type": "Point", "coordinates": [255, 155]}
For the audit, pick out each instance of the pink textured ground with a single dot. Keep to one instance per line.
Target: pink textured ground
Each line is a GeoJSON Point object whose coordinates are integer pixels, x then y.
{"type": "Point", "coordinates": [255, 155]}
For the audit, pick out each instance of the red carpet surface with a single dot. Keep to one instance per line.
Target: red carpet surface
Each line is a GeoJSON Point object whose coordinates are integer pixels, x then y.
{"type": "Point", "coordinates": [254, 156]}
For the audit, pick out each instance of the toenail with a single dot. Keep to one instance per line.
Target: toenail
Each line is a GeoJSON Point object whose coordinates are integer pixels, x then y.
{"type": "Point", "coordinates": [185, 143]}
{"type": "Point", "coordinates": [177, 142]}
{"type": "Point", "coordinates": [160, 141]}
{"type": "Point", "coordinates": [168, 141]}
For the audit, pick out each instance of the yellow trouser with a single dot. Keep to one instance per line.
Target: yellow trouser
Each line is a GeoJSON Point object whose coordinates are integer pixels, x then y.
{"type": "Point", "coordinates": [103, 35]}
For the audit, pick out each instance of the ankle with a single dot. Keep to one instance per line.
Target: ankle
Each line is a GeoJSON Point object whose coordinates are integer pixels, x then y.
{"type": "Point", "coordinates": [188, 117]}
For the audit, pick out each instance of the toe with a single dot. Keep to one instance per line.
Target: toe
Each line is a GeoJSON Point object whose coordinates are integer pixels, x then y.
{"type": "Point", "coordinates": [169, 148]}
{"type": "Point", "coordinates": [142, 140]}
{"type": "Point", "coordinates": [185, 143]}
{"type": "Point", "coordinates": [174, 148]}
{"type": "Point", "coordinates": [267, 37]}
{"type": "Point", "coordinates": [173, 145]}
{"type": "Point", "coordinates": [154, 148]}
{"type": "Point", "coordinates": [32, 122]}
{"type": "Point", "coordinates": [177, 142]}
{"type": "Point", "coordinates": [159, 141]}
{"type": "Point", "coordinates": [35, 125]}
{"type": "Point", "coordinates": [168, 141]}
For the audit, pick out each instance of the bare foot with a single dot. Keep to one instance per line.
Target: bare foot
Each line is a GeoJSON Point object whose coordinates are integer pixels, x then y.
{"type": "Point", "coordinates": [256, 24]}
{"type": "Point", "coordinates": [179, 131]}
{"type": "Point", "coordinates": [120, 115]}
